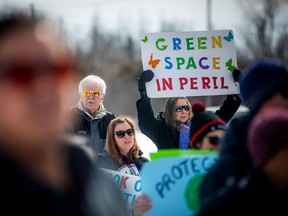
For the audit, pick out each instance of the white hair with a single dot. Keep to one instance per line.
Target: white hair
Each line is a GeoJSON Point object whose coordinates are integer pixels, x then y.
{"type": "Point", "coordinates": [93, 79]}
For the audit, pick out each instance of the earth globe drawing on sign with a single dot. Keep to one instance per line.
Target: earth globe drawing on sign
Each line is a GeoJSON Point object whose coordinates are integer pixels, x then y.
{"type": "Point", "coordinates": [192, 192]}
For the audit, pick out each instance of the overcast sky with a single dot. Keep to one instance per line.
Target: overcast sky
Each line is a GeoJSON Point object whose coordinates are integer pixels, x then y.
{"type": "Point", "coordinates": [134, 17]}
{"type": "Point", "coordinates": [138, 16]}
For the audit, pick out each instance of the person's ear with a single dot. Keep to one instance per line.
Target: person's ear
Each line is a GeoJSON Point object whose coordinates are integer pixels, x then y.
{"type": "Point", "coordinates": [103, 96]}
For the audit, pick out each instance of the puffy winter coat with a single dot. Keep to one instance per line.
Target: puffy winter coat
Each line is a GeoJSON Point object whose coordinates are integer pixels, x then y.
{"type": "Point", "coordinates": [94, 129]}
{"type": "Point", "coordinates": [252, 195]}
{"type": "Point", "coordinates": [91, 191]}
{"type": "Point", "coordinates": [234, 162]}
{"type": "Point", "coordinates": [163, 137]}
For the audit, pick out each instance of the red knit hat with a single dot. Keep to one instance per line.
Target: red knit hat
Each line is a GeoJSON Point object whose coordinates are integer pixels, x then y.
{"type": "Point", "coordinates": [268, 134]}
{"type": "Point", "coordinates": [203, 122]}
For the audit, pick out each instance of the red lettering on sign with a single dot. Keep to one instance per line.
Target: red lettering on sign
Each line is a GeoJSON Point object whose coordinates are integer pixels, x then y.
{"type": "Point", "coordinates": [183, 81]}
{"type": "Point", "coordinates": [206, 83]}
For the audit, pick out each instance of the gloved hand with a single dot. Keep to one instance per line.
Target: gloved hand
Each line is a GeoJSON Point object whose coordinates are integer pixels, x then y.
{"type": "Point", "coordinates": [229, 107]}
{"type": "Point", "coordinates": [236, 75]}
{"type": "Point", "coordinates": [234, 99]}
{"type": "Point", "coordinates": [231, 103]}
{"type": "Point", "coordinates": [145, 76]}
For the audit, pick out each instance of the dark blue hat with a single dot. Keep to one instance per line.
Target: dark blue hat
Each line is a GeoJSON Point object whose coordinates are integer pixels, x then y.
{"type": "Point", "coordinates": [260, 81]}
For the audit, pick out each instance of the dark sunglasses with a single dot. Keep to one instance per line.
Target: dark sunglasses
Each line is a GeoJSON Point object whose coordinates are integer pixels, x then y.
{"type": "Point", "coordinates": [121, 134]}
{"type": "Point", "coordinates": [180, 108]}
{"type": "Point", "coordinates": [214, 140]}
{"type": "Point", "coordinates": [24, 73]}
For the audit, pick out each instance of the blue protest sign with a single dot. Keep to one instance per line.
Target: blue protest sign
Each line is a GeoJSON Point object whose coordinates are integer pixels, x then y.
{"type": "Point", "coordinates": [172, 183]}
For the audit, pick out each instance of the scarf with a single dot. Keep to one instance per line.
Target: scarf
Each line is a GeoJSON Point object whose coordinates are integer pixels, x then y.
{"type": "Point", "coordinates": [130, 167]}
{"type": "Point", "coordinates": [184, 135]}
{"type": "Point", "coordinates": [100, 113]}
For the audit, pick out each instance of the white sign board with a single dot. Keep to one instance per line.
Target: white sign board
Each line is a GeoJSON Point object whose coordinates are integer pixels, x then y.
{"type": "Point", "coordinates": [190, 63]}
{"type": "Point", "coordinates": [130, 185]}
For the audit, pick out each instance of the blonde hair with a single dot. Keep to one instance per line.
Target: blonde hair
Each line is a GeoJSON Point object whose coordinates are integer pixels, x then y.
{"type": "Point", "coordinates": [111, 146]}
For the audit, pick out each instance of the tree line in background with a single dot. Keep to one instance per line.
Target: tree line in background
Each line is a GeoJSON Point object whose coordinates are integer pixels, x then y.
{"type": "Point", "coordinates": [265, 33]}
{"type": "Point", "coordinates": [116, 57]}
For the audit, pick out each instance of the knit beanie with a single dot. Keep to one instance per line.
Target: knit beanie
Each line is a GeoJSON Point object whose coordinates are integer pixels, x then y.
{"type": "Point", "coordinates": [203, 122]}
{"type": "Point", "coordinates": [260, 81]}
{"type": "Point", "coordinates": [267, 135]}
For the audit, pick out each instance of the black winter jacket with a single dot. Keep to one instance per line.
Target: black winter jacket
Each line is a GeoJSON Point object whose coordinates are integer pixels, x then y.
{"type": "Point", "coordinates": [252, 195]}
{"type": "Point", "coordinates": [157, 130]}
{"type": "Point", "coordinates": [234, 162]}
{"type": "Point", "coordinates": [94, 129]}
{"type": "Point", "coordinates": [91, 192]}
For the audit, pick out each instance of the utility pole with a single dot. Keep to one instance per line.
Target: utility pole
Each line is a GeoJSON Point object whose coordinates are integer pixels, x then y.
{"type": "Point", "coordinates": [32, 11]}
{"type": "Point", "coordinates": [208, 99]}
{"type": "Point", "coordinates": [209, 21]}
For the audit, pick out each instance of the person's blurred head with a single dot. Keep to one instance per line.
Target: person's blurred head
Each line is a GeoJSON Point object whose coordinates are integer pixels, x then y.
{"type": "Point", "coordinates": [206, 130]}
{"type": "Point", "coordinates": [268, 144]}
{"type": "Point", "coordinates": [34, 68]}
{"type": "Point", "coordinates": [177, 110]}
{"type": "Point", "coordinates": [121, 139]}
{"type": "Point", "coordinates": [264, 84]}
{"type": "Point", "coordinates": [92, 90]}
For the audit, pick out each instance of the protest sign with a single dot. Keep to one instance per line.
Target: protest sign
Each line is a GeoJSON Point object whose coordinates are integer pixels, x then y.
{"type": "Point", "coordinates": [130, 185]}
{"type": "Point", "coordinates": [173, 183]}
{"type": "Point", "coordinates": [190, 63]}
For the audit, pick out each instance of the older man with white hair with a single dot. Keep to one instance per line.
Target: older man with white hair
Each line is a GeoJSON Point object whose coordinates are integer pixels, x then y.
{"type": "Point", "coordinates": [89, 117]}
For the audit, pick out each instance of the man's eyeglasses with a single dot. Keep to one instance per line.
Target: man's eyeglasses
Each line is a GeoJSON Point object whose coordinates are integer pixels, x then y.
{"type": "Point", "coordinates": [87, 93]}
{"type": "Point", "coordinates": [23, 73]}
{"type": "Point", "coordinates": [214, 140]}
{"type": "Point", "coordinates": [180, 108]}
{"type": "Point", "coordinates": [121, 134]}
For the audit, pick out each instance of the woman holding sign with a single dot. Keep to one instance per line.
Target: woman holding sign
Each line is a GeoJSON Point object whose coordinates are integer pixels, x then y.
{"type": "Point", "coordinates": [123, 153]}
{"type": "Point", "coordinates": [171, 128]}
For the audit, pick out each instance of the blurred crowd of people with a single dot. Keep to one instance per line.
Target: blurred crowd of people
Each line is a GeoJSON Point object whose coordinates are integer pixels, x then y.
{"type": "Point", "coordinates": [45, 170]}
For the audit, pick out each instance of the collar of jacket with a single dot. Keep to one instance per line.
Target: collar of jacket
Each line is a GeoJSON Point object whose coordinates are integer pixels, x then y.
{"type": "Point", "coordinates": [100, 114]}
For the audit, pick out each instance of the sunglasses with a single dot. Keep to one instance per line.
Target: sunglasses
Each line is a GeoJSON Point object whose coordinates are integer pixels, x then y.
{"type": "Point", "coordinates": [87, 93]}
{"type": "Point", "coordinates": [214, 140]}
{"type": "Point", "coordinates": [180, 108]}
{"type": "Point", "coordinates": [121, 134]}
{"type": "Point", "coordinates": [24, 73]}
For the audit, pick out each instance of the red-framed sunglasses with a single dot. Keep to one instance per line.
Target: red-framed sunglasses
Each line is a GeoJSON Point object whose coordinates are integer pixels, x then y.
{"type": "Point", "coordinates": [23, 73]}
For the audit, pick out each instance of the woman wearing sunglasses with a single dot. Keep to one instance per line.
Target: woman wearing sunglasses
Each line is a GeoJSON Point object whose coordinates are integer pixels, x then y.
{"type": "Point", "coordinates": [170, 129]}
{"type": "Point", "coordinates": [207, 130]}
{"type": "Point", "coordinates": [123, 154]}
